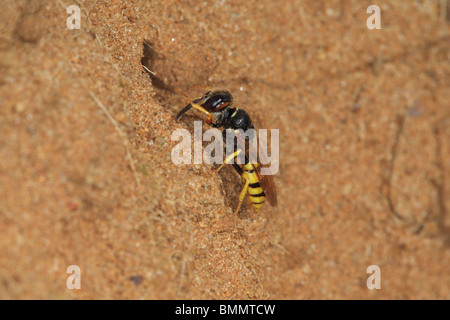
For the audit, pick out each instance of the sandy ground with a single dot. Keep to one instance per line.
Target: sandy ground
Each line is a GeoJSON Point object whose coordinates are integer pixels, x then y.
{"type": "Point", "coordinates": [86, 176]}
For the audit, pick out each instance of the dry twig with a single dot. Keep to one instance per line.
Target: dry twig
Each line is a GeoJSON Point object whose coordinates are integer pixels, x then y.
{"type": "Point", "coordinates": [122, 135]}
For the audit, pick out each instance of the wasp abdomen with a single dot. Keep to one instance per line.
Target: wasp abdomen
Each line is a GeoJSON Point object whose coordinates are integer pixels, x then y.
{"type": "Point", "coordinates": [255, 192]}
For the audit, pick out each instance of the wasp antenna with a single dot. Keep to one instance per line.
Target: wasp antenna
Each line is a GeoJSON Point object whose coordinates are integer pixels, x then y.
{"type": "Point", "coordinates": [191, 104]}
{"type": "Point", "coordinates": [196, 86]}
{"type": "Point", "coordinates": [186, 108]}
{"type": "Point", "coordinates": [183, 112]}
{"type": "Point", "coordinates": [184, 94]}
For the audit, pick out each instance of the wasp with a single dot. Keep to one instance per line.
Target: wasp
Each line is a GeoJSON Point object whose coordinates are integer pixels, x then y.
{"type": "Point", "coordinates": [217, 105]}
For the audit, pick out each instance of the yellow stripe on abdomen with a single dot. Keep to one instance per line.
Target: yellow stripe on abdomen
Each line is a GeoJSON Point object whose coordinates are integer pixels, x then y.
{"type": "Point", "coordinates": [254, 192]}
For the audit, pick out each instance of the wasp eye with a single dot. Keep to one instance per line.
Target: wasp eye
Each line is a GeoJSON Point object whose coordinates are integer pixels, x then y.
{"type": "Point", "coordinates": [217, 101]}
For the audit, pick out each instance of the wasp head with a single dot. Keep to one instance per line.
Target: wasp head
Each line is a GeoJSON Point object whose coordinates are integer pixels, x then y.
{"type": "Point", "coordinates": [213, 103]}
{"type": "Point", "coordinates": [216, 101]}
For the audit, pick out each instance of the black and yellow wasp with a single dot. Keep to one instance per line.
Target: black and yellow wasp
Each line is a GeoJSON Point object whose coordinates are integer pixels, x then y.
{"type": "Point", "coordinates": [216, 104]}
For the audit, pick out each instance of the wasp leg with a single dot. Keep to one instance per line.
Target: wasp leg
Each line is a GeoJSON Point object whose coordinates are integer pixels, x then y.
{"type": "Point", "coordinates": [229, 158]}
{"type": "Point", "coordinates": [238, 169]}
{"type": "Point", "coordinates": [241, 199]}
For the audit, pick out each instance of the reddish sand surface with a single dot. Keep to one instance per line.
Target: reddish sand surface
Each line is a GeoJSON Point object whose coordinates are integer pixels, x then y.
{"type": "Point", "coordinates": [86, 176]}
